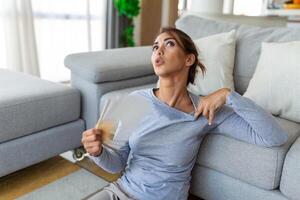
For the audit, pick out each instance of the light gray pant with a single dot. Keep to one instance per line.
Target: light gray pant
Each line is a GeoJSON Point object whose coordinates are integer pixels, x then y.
{"type": "Point", "coordinates": [110, 192]}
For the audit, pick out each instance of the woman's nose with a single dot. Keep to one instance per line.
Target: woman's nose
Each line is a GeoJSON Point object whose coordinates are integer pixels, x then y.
{"type": "Point", "coordinates": [160, 51]}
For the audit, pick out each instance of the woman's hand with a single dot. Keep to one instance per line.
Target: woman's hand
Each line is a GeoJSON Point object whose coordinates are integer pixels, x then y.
{"type": "Point", "coordinates": [211, 103]}
{"type": "Point", "coordinates": [92, 141]}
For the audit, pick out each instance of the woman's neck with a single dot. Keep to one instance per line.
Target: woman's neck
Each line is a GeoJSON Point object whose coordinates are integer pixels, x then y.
{"type": "Point", "coordinates": [171, 96]}
{"type": "Point", "coordinates": [174, 94]}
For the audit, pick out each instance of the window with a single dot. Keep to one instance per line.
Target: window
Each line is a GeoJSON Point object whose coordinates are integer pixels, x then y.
{"type": "Point", "coordinates": [63, 27]}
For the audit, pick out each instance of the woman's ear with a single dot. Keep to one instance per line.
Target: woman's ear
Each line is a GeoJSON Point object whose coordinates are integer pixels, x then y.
{"type": "Point", "coordinates": [190, 60]}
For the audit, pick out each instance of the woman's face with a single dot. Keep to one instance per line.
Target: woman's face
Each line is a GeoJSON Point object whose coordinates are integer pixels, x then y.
{"type": "Point", "coordinates": [168, 58]}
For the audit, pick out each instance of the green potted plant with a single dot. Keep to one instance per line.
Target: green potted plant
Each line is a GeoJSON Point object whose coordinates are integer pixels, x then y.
{"type": "Point", "coordinates": [129, 9]}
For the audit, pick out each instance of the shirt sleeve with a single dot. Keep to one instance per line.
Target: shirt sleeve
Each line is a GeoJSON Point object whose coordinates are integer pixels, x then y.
{"type": "Point", "coordinates": [114, 159]}
{"type": "Point", "coordinates": [249, 122]}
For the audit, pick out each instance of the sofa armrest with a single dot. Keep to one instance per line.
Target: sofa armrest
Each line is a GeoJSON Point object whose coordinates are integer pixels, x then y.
{"type": "Point", "coordinates": [97, 73]}
{"type": "Point", "coordinates": [111, 64]}
{"type": "Point", "coordinates": [290, 178]}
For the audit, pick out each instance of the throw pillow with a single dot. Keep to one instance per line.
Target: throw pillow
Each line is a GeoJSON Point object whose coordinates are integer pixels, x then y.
{"type": "Point", "coordinates": [275, 84]}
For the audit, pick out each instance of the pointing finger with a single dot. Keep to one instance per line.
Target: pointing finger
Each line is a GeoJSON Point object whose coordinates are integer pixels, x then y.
{"type": "Point", "coordinates": [211, 116]}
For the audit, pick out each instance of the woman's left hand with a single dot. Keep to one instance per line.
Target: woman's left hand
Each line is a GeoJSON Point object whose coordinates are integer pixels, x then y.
{"type": "Point", "coordinates": [210, 104]}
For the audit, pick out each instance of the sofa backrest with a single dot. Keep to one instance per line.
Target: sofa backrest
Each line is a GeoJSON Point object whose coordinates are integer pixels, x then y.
{"type": "Point", "coordinates": [261, 21]}
{"type": "Point", "coordinates": [248, 44]}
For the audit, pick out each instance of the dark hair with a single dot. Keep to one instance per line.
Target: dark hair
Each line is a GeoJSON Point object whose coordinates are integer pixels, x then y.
{"type": "Point", "coordinates": [188, 46]}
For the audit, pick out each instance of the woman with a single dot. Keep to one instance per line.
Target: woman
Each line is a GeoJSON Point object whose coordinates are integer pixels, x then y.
{"type": "Point", "coordinates": [165, 146]}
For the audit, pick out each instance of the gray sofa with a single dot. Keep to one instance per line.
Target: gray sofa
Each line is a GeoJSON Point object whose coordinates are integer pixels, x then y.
{"type": "Point", "coordinates": [226, 168]}
{"type": "Point", "coordinates": [38, 120]}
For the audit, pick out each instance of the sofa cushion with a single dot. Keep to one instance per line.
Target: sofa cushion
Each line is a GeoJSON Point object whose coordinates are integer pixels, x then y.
{"type": "Point", "coordinates": [211, 184]}
{"type": "Point", "coordinates": [108, 65]}
{"type": "Point", "coordinates": [289, 184]}
{"type": "Point", "coordinates": [29, 104]}
{"type": "Point", "coordinates": [248, 44]}
{"type": "Point", "coordinates": [218, 72]}
{"type": "Point", "coordinates": [256, 165]}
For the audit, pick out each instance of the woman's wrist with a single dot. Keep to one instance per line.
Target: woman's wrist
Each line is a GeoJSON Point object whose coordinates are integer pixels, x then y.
{"type": "Point", "coordinates": [97, 154]}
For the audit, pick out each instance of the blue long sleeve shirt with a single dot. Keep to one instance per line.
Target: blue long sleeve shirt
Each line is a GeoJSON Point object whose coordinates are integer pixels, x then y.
{"type": "Point", "coordinates": [165, 144]}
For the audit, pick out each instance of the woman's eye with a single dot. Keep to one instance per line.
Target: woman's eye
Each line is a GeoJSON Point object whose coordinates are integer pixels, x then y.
{"type": "Point", "coordinates": [154, 48]}
{"type": "Point", "coordinates": [170, 43]}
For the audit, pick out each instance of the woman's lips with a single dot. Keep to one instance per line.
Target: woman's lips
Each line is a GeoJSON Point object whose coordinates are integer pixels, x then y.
{"type": "Point", "coordinates": [159, 61]}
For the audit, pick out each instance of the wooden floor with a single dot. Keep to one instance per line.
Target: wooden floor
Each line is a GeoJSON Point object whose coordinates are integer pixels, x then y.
{"type": "Point", "coordinates": [36, 176]}
{"type": "Point", "coordinates": [26, 180]}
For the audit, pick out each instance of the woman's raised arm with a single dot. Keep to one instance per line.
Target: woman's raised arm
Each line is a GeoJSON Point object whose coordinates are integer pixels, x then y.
{"type": "Point", "coordinates": [243, 119]}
